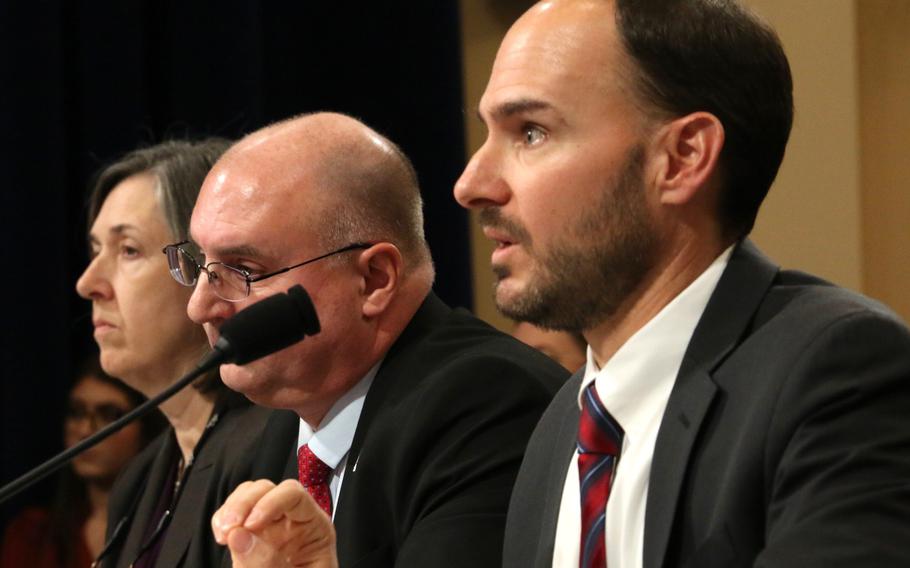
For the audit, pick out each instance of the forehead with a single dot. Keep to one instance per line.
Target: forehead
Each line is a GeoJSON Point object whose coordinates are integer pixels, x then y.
{"type": "Point", "coordinates": [132, 201]}
{"type": "Point", "coordinates": [92, 390]}
{"type": "Point", "coordinates": [565, 54]}
{"type": "Point", "coordinates": [244, 206]}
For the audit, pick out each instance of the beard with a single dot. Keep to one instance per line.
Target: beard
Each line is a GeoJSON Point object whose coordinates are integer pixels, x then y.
{"type": "Point", "coordinates": [585, 275]}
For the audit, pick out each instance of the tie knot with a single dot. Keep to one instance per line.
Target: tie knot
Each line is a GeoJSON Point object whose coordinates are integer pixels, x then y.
{"type": "Point", "coordinates": [312, 470]}
{"type": "Point", "coordinates": [598, 432]}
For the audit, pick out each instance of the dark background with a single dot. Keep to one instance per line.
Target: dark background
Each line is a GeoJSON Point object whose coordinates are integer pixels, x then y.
{"type": "Point", "coordinates": [83, 82]}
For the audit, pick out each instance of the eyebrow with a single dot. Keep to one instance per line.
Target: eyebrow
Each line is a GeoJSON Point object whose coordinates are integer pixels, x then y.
{"type": "Point", "coordinates": [118, 229]}
{"type": "Point", "coordinates": [519, 106]}
{"type": "Point", "coordinates": [239, 250]}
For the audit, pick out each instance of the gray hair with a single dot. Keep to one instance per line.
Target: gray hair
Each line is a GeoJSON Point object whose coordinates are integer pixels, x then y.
{"type": "Point", "coordinates": [179, 167]}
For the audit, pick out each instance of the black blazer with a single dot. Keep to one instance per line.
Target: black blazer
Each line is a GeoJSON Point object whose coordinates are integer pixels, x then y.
{"type": "Point", "coordinates": [223, 461]}
{"type": "Point", "coordinates": [786, 440]}
{"type": "Point", "coordinates": [438, 444]}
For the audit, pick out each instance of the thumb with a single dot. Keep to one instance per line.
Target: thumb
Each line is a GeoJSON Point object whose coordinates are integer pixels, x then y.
{"type": "Point", "coordinates": [244, 552]}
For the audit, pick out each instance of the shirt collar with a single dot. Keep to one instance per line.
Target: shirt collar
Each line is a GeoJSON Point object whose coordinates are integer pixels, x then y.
{"type": "Point", "coordinates": [646, 365]}
{"type": "Point", "coordinates": [332, 440]}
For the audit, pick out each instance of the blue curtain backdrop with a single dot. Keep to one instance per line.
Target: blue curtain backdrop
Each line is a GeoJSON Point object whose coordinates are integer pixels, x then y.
{"type": "Point", "coordinates": [83, 82]}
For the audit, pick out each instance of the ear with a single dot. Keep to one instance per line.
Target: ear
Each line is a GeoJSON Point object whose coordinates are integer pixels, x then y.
{"type": "Point", "coordinates": [691, 147]}
{"type": "Point", "coordinates": [380, 267]}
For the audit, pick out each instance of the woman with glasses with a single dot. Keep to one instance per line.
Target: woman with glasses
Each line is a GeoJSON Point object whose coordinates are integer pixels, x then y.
{"type": "Point", "coordinates": [70, 532]}
{"type": "Point", "coordinates": [162, 504]}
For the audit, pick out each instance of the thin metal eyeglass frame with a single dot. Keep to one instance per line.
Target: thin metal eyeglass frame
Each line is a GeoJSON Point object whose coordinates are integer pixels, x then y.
{"type": "Point", "coordinates": [246, 275]}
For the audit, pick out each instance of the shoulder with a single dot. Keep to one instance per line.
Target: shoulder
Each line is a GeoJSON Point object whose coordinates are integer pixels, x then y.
{"type": "Point", "coordinates": [29, 525]}
{"type": "Point", "coordinates": [238, 443]}
{"type": "Point", "coordinates": [802, 313]}
{"type": "Point", "coordinates": [241, 423]}
{"type": "Point", "coordinates": [460, 350]}
{"type": "Point", "coordinates": [461, 378]}
{"type": "Point", "coordinates": [133, 477]}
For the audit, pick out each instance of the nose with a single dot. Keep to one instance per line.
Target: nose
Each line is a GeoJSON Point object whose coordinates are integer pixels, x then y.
{"type": "Point", "coordinates": [94, 284]}
{"type": "Point", "coordinates": [206, 307]}
{"type": "Point", "coordinates": [80, 428]}
{"type": "Point", "coordinates": [482, 183]}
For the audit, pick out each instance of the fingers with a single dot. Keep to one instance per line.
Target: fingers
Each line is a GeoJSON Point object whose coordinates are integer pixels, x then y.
{"type": "Point", "coordinates": [290, 500]}
{"type": "Point", "coordinates": [237, 507]}
{"type": "Point", "coordinates": [267, 525]}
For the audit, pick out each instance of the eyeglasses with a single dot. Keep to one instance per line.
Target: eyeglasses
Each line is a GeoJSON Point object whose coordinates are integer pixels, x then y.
{"type": "Point", "coordinates": [98, 416]}
{"type": "Point", "coordinates": [229, 283]}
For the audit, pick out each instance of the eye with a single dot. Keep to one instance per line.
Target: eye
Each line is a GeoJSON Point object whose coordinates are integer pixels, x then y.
{"type": "Point", "coordinates": [533, 135]}
{"type": "Point", "coordinates": [239, 270]}
{"type": "Point", "coordinates": [129, 251]}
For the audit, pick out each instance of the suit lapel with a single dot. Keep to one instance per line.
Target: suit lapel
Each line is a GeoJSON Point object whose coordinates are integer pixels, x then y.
{"type": "Point", "coordinates": [192, 500]}
{"type": "Point", "coordinates": [386, 386]}
{"type": "Point", "coordinates": [556, 465]}
{"type": "Point", "coordinates": [727, 316]}
{"type": "Point", "coordinates": [157, 475]}
{"type": "Point", "coordinates": [432, 310]}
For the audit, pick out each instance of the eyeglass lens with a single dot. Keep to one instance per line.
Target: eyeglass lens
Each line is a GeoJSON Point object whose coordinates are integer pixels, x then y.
{"type": "Point", "coordinates": [227, 282]}
{"type": "Point", "coordinates": [100, 416]}
{"type": "Point", "coordinates": [183, 267]}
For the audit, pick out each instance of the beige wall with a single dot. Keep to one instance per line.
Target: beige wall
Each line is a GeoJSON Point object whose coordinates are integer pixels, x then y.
{"type": "Point", "coordinates": [811, 219]}
{"type": "Point", "coordinates": [838, 208]}
{"type": "Point", "coordinates": [884, 87]}
{"type": "Point", "coordinates": [484, 22]}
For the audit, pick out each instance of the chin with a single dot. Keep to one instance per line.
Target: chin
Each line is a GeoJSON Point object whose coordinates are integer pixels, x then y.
{"type": "Point", "coordinates": [91, 471]}
{"type": "Point", "coordinates": [242, 380]}
{"type": "Point", "coordinates": [507, 293]}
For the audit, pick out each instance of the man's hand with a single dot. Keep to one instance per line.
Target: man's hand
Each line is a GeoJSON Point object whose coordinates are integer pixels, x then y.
{"type": "Point", "coordinates": [267, 525]}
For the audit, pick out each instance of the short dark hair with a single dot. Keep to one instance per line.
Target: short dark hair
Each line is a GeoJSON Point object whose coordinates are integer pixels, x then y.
{"type": "Point", "coordinates": [716, 56]}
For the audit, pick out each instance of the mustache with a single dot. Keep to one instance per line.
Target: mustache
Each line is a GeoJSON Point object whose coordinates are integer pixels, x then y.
{"type": "Point", "coordinates": [493, 218]}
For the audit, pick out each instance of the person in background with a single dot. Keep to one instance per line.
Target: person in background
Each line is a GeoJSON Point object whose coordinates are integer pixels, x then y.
{"type": "Point", "coordinates": [70, 532]}
{"type": "Point", "coordinates": [160, 506]}
{"type": "Point", "coordinates": [565, 347]}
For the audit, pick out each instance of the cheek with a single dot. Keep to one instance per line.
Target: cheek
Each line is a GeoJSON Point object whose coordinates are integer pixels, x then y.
{"type": "Point", "coordinates": [162, 323]}
{"type": "Point", "coordinates": [70, 437]}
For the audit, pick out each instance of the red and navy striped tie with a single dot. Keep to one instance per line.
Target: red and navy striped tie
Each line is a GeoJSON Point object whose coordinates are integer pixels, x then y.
{"type": "Point", "coordinates": [599, 441]}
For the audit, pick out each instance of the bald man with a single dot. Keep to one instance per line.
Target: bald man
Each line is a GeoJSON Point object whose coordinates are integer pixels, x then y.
{"type": "Point", "coordinates": [407, 420]}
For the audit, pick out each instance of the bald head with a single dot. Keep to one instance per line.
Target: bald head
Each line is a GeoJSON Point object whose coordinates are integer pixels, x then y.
{"type": "Point", "coordinates": [333, 177]}
{"type": "Point", "coordinates": [289, 195]}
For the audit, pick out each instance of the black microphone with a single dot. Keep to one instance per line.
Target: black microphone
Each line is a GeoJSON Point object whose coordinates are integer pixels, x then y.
{"type": "Point", "coordinates": [263, 328]}
{"type": "Point", "coordinates": [277, 322]}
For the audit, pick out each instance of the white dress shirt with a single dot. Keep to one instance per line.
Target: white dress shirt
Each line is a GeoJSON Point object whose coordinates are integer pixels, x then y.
{"type": "Point", "coordinates": [634, 386]}
{"type": "Point", "coordinates": [332, 441]}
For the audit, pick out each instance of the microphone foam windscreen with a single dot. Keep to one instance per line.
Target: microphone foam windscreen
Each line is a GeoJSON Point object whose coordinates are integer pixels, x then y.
{"type": "Point", "coordinates": [268, 326]}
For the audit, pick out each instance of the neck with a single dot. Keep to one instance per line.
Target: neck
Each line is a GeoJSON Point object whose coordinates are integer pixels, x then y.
{"type": "Point", "coordinates": [97, 497]}
{"type": "Point", "coordinates": [96, 524]}
{"type": "Point", "coordinates": [676, 270]}
{"type": "Point", "coordinates": [189, 412]}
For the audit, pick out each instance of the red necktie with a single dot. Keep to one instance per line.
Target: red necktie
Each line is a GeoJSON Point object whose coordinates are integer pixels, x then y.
{"type": "Point", "coordinates": [599, 441]}
{"type": "Point", "coordinates": [314, 475]}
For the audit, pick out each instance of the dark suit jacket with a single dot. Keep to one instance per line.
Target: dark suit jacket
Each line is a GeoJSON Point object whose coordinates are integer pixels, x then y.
{"type": "Point", "coordinates": [223, 461]}
{"type": "Point", "coordinates": [786, 440]}
{"type": "Point", "coordinates": [438, 444]}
